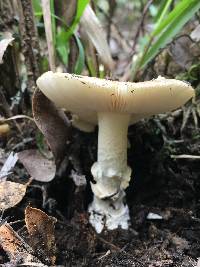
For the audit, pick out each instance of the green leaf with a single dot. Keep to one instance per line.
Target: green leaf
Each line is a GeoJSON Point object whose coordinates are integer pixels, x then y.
{"type": "Point", "coordinates": [163, 11]}
{"type": "Point", "coordinates": [81, 4]}
{"type": "Point", "coordinates": [63, 53]}
{"type": "Point", "coordinates": [160, 9]}
{"type": "Point", "coordinates": [62, 38]}
{"type": "Point", "coordinates": [174, 14]}
{"type": "Point", "coordinates": [91, 67]}
{"type": "Point", "coordinates": [37, 8]}
{"type": "Point", "coordinates": [62, 46]}
{"type": "Point", "coordinates": [170, 31]}
{"type": "Point", "coordinates": [81, 57]}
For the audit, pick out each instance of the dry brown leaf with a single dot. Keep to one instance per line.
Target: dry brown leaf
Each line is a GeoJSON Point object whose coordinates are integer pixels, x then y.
{"type": "Point", "coordinates": [16, 248]}
{"type": "Point", "coordinates": [3, 46]}
{"type": "Point", "coordinates": [96, 34]}
{"type": "Point", "coordinates": [41, 230]}
{"type": "Point", "coordinates": [39, 168]}
{"type": "Point", "coordinates": [8, 165]}
{"type": "Point", "coordinates": [53, 124]}
{"type": "Point", "coordinates": [11, 194]}
{"type": "Point", "coordinates": [181, 52]}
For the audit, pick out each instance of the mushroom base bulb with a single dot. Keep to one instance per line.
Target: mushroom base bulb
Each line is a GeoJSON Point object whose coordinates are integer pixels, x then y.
{"type": "Point", "coordinates": [109, 181]}
{"type": "Point", "coordinates": [109, 213]}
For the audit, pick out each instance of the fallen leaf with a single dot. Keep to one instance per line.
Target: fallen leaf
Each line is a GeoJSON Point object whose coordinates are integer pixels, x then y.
{"type": "Point", "coordinates": [8, 165]}
{"type": "Point", "coordinates": [53, 124]}
{"type": "Point", "coordinates": [39, 168]}
{"type": "Point", "coordinates": [3, 46]}
{"type": "Point", "coordinates": [41, 230]}
{"type": "Point", "coordinates": [11, 194]}
{"type": "Point", "coordinates": [96, 34]}
{"type": "Point", "coordinates": [16, 248]}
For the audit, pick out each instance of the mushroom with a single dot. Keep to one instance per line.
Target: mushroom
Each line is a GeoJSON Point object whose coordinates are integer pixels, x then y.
{"type": "Point", "coordinates": [113, 105]}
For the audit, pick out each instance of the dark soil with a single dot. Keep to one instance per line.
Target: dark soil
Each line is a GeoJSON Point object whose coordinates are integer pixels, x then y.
{"type": "Point", "coordinates": [160, 185]}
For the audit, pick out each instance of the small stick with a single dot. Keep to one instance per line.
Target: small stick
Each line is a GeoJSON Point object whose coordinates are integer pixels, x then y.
{"type": "Point", "coordinates": [145, 10]}
{"type": "Point", "coordinates": [185, 156]}
{"type": "Point", "coordinates": [16, 117]}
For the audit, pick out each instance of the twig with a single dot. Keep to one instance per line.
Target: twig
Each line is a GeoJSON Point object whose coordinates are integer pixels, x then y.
{"type": "Point", "coordinates": [114, 26]}
{"type": "Point", "coordinates": [112, 7]}
{"type": "Point", "coordinates": [185, 156]}
{"type": "Point", "coordinates": [105, 255]}
{"type": "Point", "coordinates": [22, 143]}
{"type": "Point", "coordinates": [111, 245]}
{"type": "Point", "coordinates": [17, 117]}
{"type": "Point", "coordinates": [144, 12]}
{"type": "Point", "coordinates": [17, 221]}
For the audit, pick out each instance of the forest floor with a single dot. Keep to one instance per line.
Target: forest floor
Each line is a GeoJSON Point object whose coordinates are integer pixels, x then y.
{"type": "Point", "coordinates": [164, 192]}
{"type": "Point", "coordinates": [160, 186]}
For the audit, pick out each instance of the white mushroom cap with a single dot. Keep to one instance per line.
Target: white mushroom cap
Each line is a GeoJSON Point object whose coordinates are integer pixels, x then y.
{"type": "Point", "coordinates": [86, 96]}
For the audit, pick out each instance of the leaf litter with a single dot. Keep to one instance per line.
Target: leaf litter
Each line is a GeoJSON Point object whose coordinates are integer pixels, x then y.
{"type": "Point", "coordinates": [41, 250]}
{"type": "Point", "coordinates": [11, 194]}
{"type": "Point", "coordinates": [38, 167]}
{"type": "Point", "coordinates": [41, 232]}
{"type": "Point", "coordinates": [8, 165]}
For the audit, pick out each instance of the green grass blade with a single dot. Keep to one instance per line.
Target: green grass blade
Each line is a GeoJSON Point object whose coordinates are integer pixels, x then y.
{"type": "Point", "coordinates": [91, 67]}
{"type": "Point", "coordinates": [168, 34]}
{"type": "Point", "coordinates": [81, 4]}
{"type": "Point", "coordinates": [160, 9]}
{"type": "Point", "coordinates": [37, 8]}
{"type": "Point", "coordinates": [81, 57]}
{"type": "Point", "coordinates": [178, 11]}
{"type": "Point", "coordinates": [163, 12]}
{"type": "Point", "coordinates": [62, 38]}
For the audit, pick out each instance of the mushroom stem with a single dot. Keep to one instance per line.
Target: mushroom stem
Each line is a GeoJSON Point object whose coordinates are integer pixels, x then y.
{"type": "Point", "coordinates": [111, 172]}
{"type": "Point", "coordinates": [112, 140]}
